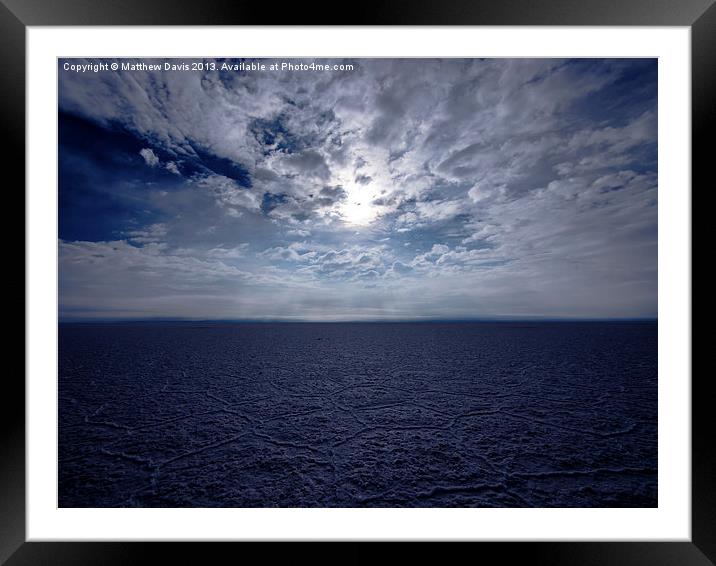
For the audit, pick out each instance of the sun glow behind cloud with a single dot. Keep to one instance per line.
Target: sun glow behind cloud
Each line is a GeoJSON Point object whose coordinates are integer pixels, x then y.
{"type": "Point", "coordinates": [358, 208]}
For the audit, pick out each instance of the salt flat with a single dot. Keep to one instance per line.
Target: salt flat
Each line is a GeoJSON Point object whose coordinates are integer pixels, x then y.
{"type": "Point", "coordinates": [492, 414]}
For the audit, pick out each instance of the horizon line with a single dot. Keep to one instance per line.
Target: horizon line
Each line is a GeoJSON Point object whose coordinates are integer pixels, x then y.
{"type": "Point", "coordinates": [159, 320]}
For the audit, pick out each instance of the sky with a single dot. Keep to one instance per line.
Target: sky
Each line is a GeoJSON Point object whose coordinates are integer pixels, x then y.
{"type": "Point", "coordinates": [398, 189]}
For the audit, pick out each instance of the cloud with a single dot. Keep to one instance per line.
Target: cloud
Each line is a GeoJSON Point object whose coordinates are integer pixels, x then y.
{"type": "Point", "coordinates": [308, 163]}
{"type": "Point", "coordinates": [229, 195]}
{"type": "Point", "coordinates": [152, 234]}
{"type": "Point", "coordinates": [399, 268]}
{"type": "Point", "coordinates": [320, 262]}
{"type": "Point", "coordinates": [236, 252]}
{"type": "Point", "coordinates": [149, 157]}
{"type": "Point", "coordinates": [416, 187]}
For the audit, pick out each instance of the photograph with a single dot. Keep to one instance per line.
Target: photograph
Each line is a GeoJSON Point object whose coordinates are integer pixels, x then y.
{"type": "Point", "coordinates": [357, 282]}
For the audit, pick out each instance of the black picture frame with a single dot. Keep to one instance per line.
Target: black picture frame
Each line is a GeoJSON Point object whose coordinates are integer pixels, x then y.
{"type": "Point", "coordinates": [16, 15]}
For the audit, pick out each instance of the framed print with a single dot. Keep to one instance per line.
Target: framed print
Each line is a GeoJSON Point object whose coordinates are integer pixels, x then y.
{"type": "Point", "coordinates": [422, 276]}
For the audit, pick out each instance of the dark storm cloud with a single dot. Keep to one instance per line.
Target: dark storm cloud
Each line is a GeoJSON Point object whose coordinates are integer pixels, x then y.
{"type": "Point", "coordinates": [410, 188]}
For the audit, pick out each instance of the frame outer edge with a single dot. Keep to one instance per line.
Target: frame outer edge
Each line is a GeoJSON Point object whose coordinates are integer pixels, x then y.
{"type": "Point", "coordinates": [701, 14]}
{"type": "Point", "coordinates": [703, 456]}
{"type": "Point", "coordinates": [368, 12]}
{"type": "Point", "coordinates": [12, 430]}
